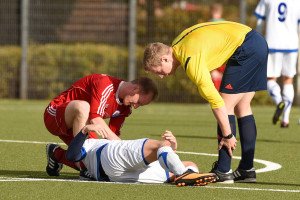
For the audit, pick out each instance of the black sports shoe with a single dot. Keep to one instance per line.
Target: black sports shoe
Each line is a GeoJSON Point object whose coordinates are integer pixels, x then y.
{"type": "Point", "coordinates": [191, 178]}
{"type": "Point", "coordinates": [221, 176]}
{"type": "Point", "coordinates": [53, 167]}
{"type": "Point", "coordinates": [85, 175]}
{"type": "Point", "coordinates": [278, 112]}
{"type": "Point", "coordinates": [245, 176]}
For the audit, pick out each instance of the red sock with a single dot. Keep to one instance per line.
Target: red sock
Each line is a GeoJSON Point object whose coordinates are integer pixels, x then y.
{"type": "Point", "coordinates": [60, 156]}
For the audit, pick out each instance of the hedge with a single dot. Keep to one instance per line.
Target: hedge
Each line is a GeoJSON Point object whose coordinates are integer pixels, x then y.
{"type": "Point", "coordinates": [52, 68]}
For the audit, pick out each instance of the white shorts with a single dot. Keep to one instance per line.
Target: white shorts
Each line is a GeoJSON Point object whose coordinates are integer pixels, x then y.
{"type": "Point", "coordinates": [282, 64]}
{"type": "Point", "coordinates": [123, 161]}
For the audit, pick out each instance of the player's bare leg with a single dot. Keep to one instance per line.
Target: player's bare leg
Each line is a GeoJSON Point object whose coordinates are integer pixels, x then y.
{"type": "Point", "coordinates": [222, 167]}
{"type": "Point", "coordinates": [76, 115]}
{"type": "Point", "coordinates": [247, 131]}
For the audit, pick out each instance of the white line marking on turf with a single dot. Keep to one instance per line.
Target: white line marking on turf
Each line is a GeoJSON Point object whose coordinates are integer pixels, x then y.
{"type": "Point", "coordinates": [269, 166]}
{"type": "Point", "coordinates": [29, 142]}
{"type": "Point", "coordinates": [7, 179]}
{"type": "Point", "coordinates": [254, 189]}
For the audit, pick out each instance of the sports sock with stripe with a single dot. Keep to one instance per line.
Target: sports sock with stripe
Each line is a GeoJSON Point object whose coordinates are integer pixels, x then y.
{"type": "Point", "coordinates": [274, 91]}
{"type": "Point", "coordinates": [170, 161]}
{"type": "Point", "coordinates": [288, 97]}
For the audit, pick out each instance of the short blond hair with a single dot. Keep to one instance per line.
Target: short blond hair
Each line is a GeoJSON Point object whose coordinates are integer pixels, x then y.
{"type": "Point", "coordinates": [153, 53]}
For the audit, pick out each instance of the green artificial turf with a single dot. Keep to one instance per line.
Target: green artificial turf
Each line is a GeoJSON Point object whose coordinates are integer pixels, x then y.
{"type": "Point", "coordinates": [23, 138]}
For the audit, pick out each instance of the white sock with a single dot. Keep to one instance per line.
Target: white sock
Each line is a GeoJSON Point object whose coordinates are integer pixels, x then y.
{"type": "Point", "coordinates": [169, 160]}
{"type": "Point", "coordinates": [274, 91]}
{"type": "Point", "coordinates": [288, 98]}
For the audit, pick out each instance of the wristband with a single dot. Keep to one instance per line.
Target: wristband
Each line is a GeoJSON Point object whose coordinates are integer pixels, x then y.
{"type": "Point", "coordinates": [228, 136]}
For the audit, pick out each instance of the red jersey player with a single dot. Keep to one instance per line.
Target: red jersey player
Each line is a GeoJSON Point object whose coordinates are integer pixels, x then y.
{"type": "Point", "coordinates": [90, 100]}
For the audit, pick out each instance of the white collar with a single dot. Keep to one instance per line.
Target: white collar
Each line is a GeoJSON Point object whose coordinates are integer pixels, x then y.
{"type": "Point", "coordinates": [117, 94]}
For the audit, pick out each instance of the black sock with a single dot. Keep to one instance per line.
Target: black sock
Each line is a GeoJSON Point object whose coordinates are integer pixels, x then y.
{"type": "Point", "coordinates": [248, 132]}
{"type": "Point", "coordinates": [224, 161]}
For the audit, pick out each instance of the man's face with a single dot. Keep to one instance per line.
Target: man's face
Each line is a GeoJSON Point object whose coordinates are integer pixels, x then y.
{"type": "Point", "coordinates": [166, 68]}
{"type": "Point", "coordinates": [136, 100]}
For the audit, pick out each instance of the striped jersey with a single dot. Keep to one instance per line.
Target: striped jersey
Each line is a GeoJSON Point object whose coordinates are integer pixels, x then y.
{"type": "Point", "coordinates": [205, 47]}
{"type": "Point", "coordinates": [99, 90]}
{"type": "Point", "coordinates": [282, 18]}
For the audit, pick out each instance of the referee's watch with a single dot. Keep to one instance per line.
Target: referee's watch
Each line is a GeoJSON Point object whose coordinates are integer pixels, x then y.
{"type": "Point", "coordinates": [228, 136]}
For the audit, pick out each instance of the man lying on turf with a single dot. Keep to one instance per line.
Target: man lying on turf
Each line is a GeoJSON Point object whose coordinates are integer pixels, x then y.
{"type": "Point", "coordinates": [142, 160]}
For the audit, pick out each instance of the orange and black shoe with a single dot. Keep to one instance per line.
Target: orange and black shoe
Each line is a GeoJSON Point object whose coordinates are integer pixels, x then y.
{"type": "Point", "coordinates": [191, 178]}
{"type": "Point", "coordinates": [278, 112]}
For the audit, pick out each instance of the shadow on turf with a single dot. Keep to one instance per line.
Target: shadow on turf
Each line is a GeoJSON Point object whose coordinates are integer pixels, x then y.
{"type": "Point", "coordinates": [214, 138]}
{"type": "Point", "coordinates": [35, 174]}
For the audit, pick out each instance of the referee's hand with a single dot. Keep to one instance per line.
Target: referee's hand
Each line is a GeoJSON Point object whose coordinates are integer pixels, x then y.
{"type": "Point", "coordinates": [230, 144]}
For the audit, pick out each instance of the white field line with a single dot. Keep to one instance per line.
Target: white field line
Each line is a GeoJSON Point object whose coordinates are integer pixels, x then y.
{"type": "Point", "coordinates": [7, 179]}
{"type": "Point", "coordinates": [29, 142]}
{"type": "Point", "coordinates": [269, 166]}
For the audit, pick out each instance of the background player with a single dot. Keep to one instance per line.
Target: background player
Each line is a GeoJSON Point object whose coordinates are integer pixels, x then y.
{"type": "Point", "coordinates": [90, 100]}
{"type": "Point", "coordinates": [133, 160]}
{"type": "Point", "coordinates": [282, 19]}
{"type": "Point", "coordinates": [202, 48]}
{"type": "Point", "coordinates": [216, 13]}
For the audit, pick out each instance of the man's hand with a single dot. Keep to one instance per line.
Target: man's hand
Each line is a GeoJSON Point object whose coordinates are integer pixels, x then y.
{"type": "Point", "coordinates": [99, 129]}
{"type": "Point", "coordinates": [168, 136]}
{"type": "Point", "coordinates": [230, 144]}
{"type": "Point", "coordinates": [99, 126]}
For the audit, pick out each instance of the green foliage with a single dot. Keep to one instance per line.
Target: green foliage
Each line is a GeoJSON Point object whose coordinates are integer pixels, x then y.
{"type": "Point", "coordinates": [173, 22]}
{"type": "Point", "coordinates": [10, 58]}
{"type": "Point", "coordinates": [53, 67]}
{"type": "Point", "coordinates": [164, 27]}
{"type": "Point", "coordinates": [262, 98]}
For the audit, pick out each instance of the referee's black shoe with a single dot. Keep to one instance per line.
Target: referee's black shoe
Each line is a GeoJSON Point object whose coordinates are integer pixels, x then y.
{"type": "Point", "coordinates": [245, 176]}
{"type": "Point", "coordinates": [222, 177]}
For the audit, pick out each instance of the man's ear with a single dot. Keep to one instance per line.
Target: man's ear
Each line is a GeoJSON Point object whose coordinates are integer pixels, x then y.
{"type": "Point", "coordinates": [134, 89]}
{"type": "Point", "coordinates": [164, 58]}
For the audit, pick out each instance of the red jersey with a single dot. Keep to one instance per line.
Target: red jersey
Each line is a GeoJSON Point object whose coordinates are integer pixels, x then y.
{"type": "Point", "coordinates": [99, 90]}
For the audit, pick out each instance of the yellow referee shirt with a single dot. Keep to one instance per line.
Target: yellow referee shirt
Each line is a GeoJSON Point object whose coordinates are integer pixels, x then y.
{"type": "Point", "coordinates": [205, 47]}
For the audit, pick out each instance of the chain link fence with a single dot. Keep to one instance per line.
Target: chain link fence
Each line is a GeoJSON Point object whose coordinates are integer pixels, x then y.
{"type": "Point", "coordinates": [68, 39]}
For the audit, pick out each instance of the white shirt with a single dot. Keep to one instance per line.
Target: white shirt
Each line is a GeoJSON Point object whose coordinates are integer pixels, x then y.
{"type": "Point", "coordinates": [282, 18]}
{"type": "Point", "coordinates": [122, 161]}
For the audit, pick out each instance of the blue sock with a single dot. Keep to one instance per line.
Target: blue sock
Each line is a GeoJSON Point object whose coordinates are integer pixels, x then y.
{"type": "Point", "coordinates": [224, 161]}
{"type": "Point", "coordinates": [248, 132]}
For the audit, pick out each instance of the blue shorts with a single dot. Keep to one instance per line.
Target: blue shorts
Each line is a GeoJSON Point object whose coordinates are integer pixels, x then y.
{"type": "Point", "coordinates": [246, 69]}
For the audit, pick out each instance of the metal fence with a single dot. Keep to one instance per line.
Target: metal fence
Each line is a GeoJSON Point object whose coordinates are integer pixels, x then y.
{"type": "Point", "coordinates": [45, 45]}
